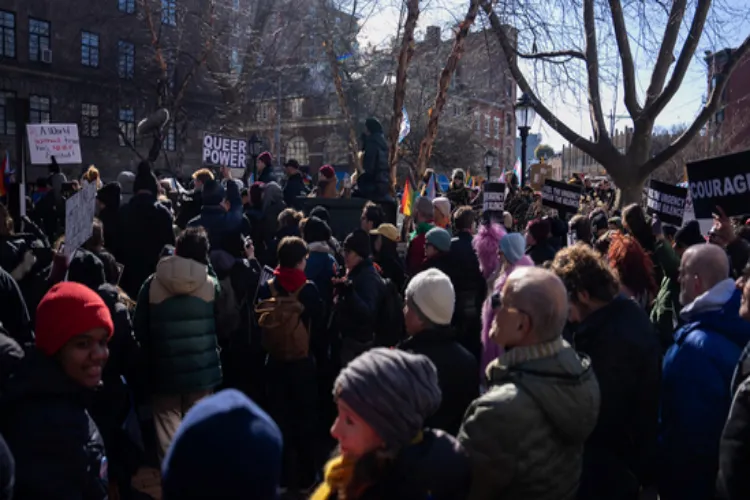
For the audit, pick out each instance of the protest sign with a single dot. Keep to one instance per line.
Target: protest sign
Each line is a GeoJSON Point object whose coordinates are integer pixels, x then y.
{"type": "Point", "coordinates": [565, 198]}
{"type": "Point", "coordinates": [722, 181]}
{"type": "Point", "coordinates": [667, 201]}
{"type": "Point", "coordinates": [79, 217]}
{"type": "Point", "coordinates": [224, 151]}
{"type": "Point", "coordinates": [53, 139]}
{"type": "Point", "coordinates": [494, 197]}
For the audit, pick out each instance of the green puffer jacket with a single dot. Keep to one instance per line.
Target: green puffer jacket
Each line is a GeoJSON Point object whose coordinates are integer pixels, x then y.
{"type": "Point", "coordinates": [176, 327]}
{"type": "Point", "coordinates": [525, 436]}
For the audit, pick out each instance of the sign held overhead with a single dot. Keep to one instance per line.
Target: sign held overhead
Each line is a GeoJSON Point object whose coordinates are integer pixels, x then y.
{"type": "Point", "coordinates": [53, 139]}
{"type": "Point", "coordinates": [565, 198]}
{"type": "Point", "coordinates": [722, 181]}
{"type": "Point", "coordinates": [667, 201]}
{"type": "Point", "coordinates": [224, 151]}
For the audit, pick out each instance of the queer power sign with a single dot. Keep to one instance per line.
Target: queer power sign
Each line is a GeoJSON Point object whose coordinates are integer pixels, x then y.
{"type": "Point", "coordinates": [224, 151]}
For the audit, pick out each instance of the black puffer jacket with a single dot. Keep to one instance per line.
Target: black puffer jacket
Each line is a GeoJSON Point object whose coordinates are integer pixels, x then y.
{"type": "Point", "coordinates": [58, 449]}
{"type": "Point", "coordinates": [373, 182]}
{"type": "Point", "coordinates": [13, 314]}
{"type": "Point", "coordinates": [733, 480]}
{"type": "Point", "coordinates": [359, 301]}
{"type": "Point", "coordinates": [294, 187]}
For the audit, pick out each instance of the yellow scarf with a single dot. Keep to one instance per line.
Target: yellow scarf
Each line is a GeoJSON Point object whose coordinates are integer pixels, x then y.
{"type": "Point", "coordinates": [338, 473]}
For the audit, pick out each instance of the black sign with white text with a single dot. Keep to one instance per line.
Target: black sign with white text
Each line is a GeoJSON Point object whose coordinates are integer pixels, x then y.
{"type": "Point", "coordinates": [565, 198]}
{"type": "Point", "coordinates": [494, 197]}
{"type": "Point", "coordinates": [723, 181]}
{"type": "Point", "coordinates": [667, 201]}
{"type": "Point", "coordinates": [224, 151]}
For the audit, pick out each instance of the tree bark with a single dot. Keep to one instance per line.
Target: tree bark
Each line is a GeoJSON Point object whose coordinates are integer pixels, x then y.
{"type": "Point", "coordinates": [404, 57]}
{"type": "Point", "coordinates": [425, 148]}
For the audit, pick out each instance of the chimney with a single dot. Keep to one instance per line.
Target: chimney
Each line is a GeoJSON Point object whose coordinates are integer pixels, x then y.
{"type": "Point", "coordinates": [432, 36]}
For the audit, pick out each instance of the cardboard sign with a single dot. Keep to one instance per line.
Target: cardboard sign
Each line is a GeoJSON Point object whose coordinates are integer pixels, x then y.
{"type": "Point", "coordinates": [722, 181]}
{"type": "Point", "coordinates": [224, 151]}
{"type": "Point", "coordinates": [539, 172]}
{"type": "Point", "coordinates": [667, 201]}
{"type": "Point", "coordinates": [494, 197]}
{"type": "Point", "coordinates": [565, 198]}
{"type": "Point", "coordinates": [53, 139]}
{"type": "Point", "coordinates": [79, 217]}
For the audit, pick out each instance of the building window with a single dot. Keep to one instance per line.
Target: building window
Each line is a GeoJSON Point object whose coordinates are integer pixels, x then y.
{"type": "Point", "coordinates": [38, 109]}
{"type": "Point", "coordinates": [510, 87]}
{"type": "Point", "coordinates": [296, 149]}
{"type": "Point", "coordinates": [478, 122]}
{"type": "Point", "coordinates": [496, 121]}
{"type": "Point", "coordinates": [508, 125]}
{"type": "Point", "coordinates": [127, 126]}
{"type": "Point", "coordinates": [296, 107]}
{"type": "Point", "coordinates": [90, 49]}
{"type": "Point", "coordinates": [486, 125]}
{"type": "Point", "coordinates": [335, 151]}
{"type": "Point", "coordinates": [125, 59]}
{"type": "Point", "coordinates": [169, 12]}
{"type": "Point", "coordinates": [89, 119]}
{"type": "Point", "coordinates": [126, 6]}
{"type": "Point", "coordinates": [7, 34]}
{"type": "Point", "coordinates": [170, 142]}
{"type": "Point", "coordinates": [7, 124]}
{"type": "Point", "coordinates": [38, 39]}
{"type": "Point", "coordinates": [264, 111]}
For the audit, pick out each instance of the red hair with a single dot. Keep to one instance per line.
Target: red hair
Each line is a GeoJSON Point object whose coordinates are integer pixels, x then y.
{"type": "Point", "coordinates": [632, 264]}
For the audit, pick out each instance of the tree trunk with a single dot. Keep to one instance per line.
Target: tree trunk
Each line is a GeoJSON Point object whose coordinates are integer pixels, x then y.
{"type": "Point", "coordinates": [425, 148]}
{"type": "Point", "coordinates": [632, 192]}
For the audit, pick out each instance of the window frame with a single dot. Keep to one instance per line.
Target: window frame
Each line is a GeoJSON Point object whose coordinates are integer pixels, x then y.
{"type": "Point", "coordinates": [89, 119]}
{"type": "Point", "coordinates": [4, 30]}
{"type": "Point", "coordinates": [487, 126]}
{"type": "Point", "coordinates": [126, 6]}
{"type": "Point", "coordinates": [297, 107]}
{"type": "Point", "coordinates": [37, 57]}
{"type": "Point", "coordinates": [169, 12]}
{"type": "Point", "coordinates": [126, 125]}
{"type": "Point", "coordinates": [497, 125]}
{"type": "Point", "coordinates": [40, 109]}
{"type": "Point", "coordinates": [91, 48]}
{"type": "Point", "coordinates": [508, 124]}
{"type": "Point", "coordinates": [6, 120]}
{"type": "Point", "coordinates": [125, 61]}
{"type": "Point", "coordinates": [170, 138]}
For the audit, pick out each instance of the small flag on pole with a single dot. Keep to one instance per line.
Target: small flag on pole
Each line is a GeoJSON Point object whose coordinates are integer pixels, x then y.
{"type": "Point", "coordinates": [431, 192]}
{"type": "Point", "coordinates": [405, 125]}
{"type": "Point", "coordinates": [407, 199]}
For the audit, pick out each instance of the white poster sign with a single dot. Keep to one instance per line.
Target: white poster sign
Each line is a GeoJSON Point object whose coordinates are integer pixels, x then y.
{"type": "Point", "coordinates": [79, 217]}
{"type": "Point", "coordinates": [53, 139]}
{"type": "Point", "coordinates": [224, 151]}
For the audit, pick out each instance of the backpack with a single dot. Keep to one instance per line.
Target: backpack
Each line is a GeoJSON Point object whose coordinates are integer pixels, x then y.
{"type": "Point", "coordinates": [284, 336]}
{"type": "Point", "coordinates": [390, 328]}
{"type": "Point", "coordinates": [229, 317]}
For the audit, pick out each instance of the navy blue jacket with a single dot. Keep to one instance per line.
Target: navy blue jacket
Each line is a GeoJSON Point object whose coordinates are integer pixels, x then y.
{"type": "Point", "coordinates": [219, 223]}
{"type": "Point", "coordinates": [696, 396]}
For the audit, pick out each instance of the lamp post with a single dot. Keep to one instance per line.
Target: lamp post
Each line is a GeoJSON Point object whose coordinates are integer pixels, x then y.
{"type": "Point", "coordinates": [489, 159]}
{"type": "Point", "coordinates": [254, 145]}
{"type": "Point", "coordinates": [525, 114]}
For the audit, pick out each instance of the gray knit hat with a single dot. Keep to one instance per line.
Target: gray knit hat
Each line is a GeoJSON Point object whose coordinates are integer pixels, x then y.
{"type": "Point", "coordinates": [392, 390]}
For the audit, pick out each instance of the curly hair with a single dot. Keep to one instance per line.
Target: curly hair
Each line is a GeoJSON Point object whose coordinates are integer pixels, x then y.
{"type": "Point", "coordinates": [582, 269]}
{"type": "Point", "coordinates": [632, 264]}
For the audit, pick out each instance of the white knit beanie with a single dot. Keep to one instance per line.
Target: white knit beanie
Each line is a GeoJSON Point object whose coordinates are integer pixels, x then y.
{"type": "Point", "coordinates": [432, 292]}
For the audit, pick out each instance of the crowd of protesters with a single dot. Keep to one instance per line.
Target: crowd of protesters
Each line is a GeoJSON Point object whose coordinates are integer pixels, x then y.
{"type": "Point", "coordinates": [521, 358]}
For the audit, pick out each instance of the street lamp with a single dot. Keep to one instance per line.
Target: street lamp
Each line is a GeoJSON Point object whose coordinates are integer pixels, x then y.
{"type": "Point", "coordinates": [254, 145]}
{"type": "Point", "coordinates": [525, 114]}
{"type": "Point", "coordinates": [489, 159]}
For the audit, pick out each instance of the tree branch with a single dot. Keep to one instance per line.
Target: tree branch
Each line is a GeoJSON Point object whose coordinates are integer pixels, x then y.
{"type": "Point", "coordinates": [626, 56]}
{"type": "Point", "coordinates": [575, 54]}
{"type": "Point", "coordinates": [592, 68]}
{"type": "Point", "coordinates": [543, 111]}
{"type": "Point", "coordinates": [706, 113]}
{"type": "Point", "coordinates": [657, 104]}
{"type": "Point", "coordinates": [666, 52]}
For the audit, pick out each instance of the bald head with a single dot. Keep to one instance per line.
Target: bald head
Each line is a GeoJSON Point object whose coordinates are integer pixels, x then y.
{"type": "Point", "coordinates": [542, 295]}
{"type": "Point", "coordinates": [710, 262]}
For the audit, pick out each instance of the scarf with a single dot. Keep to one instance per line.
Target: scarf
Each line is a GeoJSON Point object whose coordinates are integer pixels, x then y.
{"type": "Point", "coordinates": [338, 473]}
{"type": "Point", "coordinates": [290, 279]}
{"type": "Point", "coordinates": [421, 228]}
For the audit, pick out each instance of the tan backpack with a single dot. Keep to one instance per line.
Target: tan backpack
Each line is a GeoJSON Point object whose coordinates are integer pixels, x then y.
{"type": "Point", "coordinates": [285, 337]}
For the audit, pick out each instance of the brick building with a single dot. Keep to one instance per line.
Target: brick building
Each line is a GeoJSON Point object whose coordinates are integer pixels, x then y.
{"type": "Point", "coordinates": [729, 128]}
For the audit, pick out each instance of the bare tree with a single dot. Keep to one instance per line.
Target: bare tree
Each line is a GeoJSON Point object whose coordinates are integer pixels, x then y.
{"type": "Point", "coordinates": [629, 169]}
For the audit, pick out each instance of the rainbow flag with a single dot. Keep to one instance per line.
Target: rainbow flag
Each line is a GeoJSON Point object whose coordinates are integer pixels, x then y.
{"type": "Point", "coordinates": [469, 180]}
{"type": "Point", "coordinates": [407, 199]}
{"type": "Point", "coordinates": [4, 171]}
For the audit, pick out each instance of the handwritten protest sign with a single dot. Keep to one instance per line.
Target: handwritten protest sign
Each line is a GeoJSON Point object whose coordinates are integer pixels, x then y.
{"type": "Point", "coordinates": [565, 198]}
{"type": "Point", "coordinates": [224, 151]}
{"type": "Point", "coordinates": [53, 139]}
{"type": "Point", "coordinates": [667, 201]}
{"type": "Point", "coordinates": [79, 217]}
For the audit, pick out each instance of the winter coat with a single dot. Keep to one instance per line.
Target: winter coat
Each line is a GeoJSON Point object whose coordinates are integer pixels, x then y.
{"type": "Point", "coordinates": [11, 355]}
{"type": "Point", "coordinates": [265, 175]}
{"type": "Point", "coordinates": [58, 450]}
{"type": "Point", "coordinates": [27, 257]}
{"type": "Point", "coordinates": [14, 316]}
{"type": "Point", "coordinates": [175, 324]}
{"type": "Point", "coordinates": [619, 456]}
{"type": "Point", "coordinates": [541, 253]}
{"type": "Point", "coordinates": [459, 196]}
{"type": "Point", "coordinates": [359, 302]}
{"type": "Point", "coordinates": [320, 269]}
{"type": "Point", "coordinates": [109, 214]}
{"type": "Point", "coordinates": [373, 182]}
{"type": "Point", "coordinates": [471, 289]}
{"type": "Point", "coordinates": [145, 227]}
{"type": "Point", "coordinates": [666, 308]}
{"type": "Point", "coordinates": [458, 375]}
{"type": "Point", "coordinates": [696, 392]}
{"type": "Point", "coordinates": [415, 250]}
{"type": "Point", "coordinates": [273, 205]}
{"type": "Point", "coordinates": [221, 224]}
{"type": "Point", "coordinates": [525, 436]}
{"type": "Point", "coordinates": [294, 187]}
{"type": "Point", "coordinates": [392, 266]}
{"type": "Point", "coordinates": [190, 208]}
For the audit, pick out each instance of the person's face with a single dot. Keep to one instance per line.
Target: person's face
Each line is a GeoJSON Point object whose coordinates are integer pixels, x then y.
{"type": "Point", "coordinates": [259, 164]}
{"type": "Point", "coordinates": [378, 243]}
{"type": "Point", "coordinates": [356, 438]}
{"type": "Point", "coordinates": [302, 265]}
{"type": "Point", "coordinates": [744, 284]}
{"type": "Point", "coordinates": [411, 320]}
{"type": "Point", "coordinates": [351, 259]}
{"type": "Point", "coordinates": [504, 262]}
{"type": "Point", "coordinates": [245, 199]}
{"type": "Point", "coordinates": [430, 250]}
{"type": "Point", "coordinates": [530, 239]}
{"type": "Point", "coordinates": [690, 283]}
{"type": "Point", "coordinates": [289, 171]}
{"type": "Point", "coordinates": [511, 326]}
{"type": "Point", "coordinates": [198, 184]}
{"type": "Point", "coordinates": [83, 357]}
{"type": "Point", "coordinates": [366, 225]}
{"type": "Point", "coordinates": [458, 182]}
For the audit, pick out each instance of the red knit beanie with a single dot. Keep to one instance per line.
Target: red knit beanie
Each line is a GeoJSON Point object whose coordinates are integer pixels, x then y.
{"type": "Point", "coordinates": [327, 171]}
{"type": "Point", "coordinates": [66, 311]}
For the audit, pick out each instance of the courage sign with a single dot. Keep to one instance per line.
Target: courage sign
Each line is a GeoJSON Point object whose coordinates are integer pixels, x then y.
{"type": "Point", "coordinates": [723, 181]}
{"type": "Point", "coordinates": [224, 151]}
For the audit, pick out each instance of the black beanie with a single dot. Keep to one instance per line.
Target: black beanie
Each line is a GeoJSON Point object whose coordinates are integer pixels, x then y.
{"type": "Point", "coordinates": [359, 243]}
{"type": "Point", "coordinates": [145, 180]}
{"type": "Point", "coordinates": [87, 269]}
{"type": "Point", "coordinates": [689, 235]}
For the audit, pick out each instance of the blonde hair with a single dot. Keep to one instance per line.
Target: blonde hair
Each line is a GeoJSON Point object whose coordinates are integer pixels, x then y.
{"type": "Point", "coordinates": [202, 173]}
{"type": "Point", "coordinates": [92, 176]}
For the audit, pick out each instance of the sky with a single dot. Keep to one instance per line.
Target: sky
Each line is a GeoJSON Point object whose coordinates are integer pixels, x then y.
{"type": "Point", "coordinates": [381, 21]}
